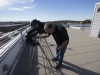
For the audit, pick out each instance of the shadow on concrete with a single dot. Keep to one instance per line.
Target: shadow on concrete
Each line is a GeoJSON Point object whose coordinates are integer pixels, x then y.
{"type": "Point", "coordinates": [77, 69]}
{"type": "Point", "coordinates": [35, 69]}
{"type": "Point", "coordinates": [51, 44]}
{"type": "Point", "coordinates": [22, 65]}
{"type": "Point", "coordinates": [69, 66]}
{"type": "Point", "coordinates": [70, 49]}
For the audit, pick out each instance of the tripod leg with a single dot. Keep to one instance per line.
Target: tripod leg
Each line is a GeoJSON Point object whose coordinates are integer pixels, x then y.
{"type": "Point", "coordinates": [50, 51]}
{"type": "Point", "coordinates": [45, 55]}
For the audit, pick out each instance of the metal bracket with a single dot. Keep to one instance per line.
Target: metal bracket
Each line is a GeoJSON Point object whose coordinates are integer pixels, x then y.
{"type": "Point", "coordinates": [6, 67]}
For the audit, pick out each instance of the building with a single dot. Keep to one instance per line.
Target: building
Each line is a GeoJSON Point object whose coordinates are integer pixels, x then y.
{"type": "Point", "coordinates": [7, 28]}
{"type": "Point", "coordinates": [95, 26]}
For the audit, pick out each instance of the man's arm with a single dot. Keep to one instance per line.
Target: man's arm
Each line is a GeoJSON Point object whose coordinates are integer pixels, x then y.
{"type": "Point", "coordinates": [63, 44]}
{"type": "Point", "coordinates": [42, 36]}
{"type": "Point", "coordinates": [65, 38]}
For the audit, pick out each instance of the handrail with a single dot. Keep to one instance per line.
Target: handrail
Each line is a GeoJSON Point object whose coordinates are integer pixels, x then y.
{"type": "Point", "coordinates": [10, 44]}
{"type": "Point", "coordinates": [10, 33]}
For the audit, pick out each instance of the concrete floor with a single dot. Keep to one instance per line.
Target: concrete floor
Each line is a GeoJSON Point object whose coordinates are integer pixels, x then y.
{"type": "Point", "coordinates": [82, 56]}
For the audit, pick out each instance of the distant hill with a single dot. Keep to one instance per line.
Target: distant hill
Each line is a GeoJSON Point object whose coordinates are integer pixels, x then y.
{"type": "Point", "coordinates": [87, 21]}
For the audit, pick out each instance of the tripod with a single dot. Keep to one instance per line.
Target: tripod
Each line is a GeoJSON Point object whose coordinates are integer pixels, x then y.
{"type": "Point", "coordinates": [32, 50]}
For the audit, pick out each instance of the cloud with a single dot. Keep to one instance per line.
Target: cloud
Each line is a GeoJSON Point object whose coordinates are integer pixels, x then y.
{"type": "Point", "coordinates": [4, 3]}
{"type": "Point", "coordinates": [13, 4]}
{"type": "Point", "coordinates": [32, 0]}
{"type": "Point", "coordinates": [20, 9]}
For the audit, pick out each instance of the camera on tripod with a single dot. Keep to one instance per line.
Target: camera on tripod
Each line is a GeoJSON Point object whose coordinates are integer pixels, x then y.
{"type": "Point", "coordinates": [36, 27]}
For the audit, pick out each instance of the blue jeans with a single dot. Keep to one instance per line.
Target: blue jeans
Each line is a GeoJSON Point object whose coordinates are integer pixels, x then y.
{"type": "Point", "coordinates": [60, 53]}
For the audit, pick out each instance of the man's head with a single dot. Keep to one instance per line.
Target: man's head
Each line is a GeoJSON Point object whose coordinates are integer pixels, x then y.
{"type": "Point", "coordinates": [50, 28]}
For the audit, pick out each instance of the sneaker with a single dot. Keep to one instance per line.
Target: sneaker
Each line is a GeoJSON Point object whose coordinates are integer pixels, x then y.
{"type": "Point", "coordinates": [58, 66]}
{"type": "Point", "coordinates": [55, 59]}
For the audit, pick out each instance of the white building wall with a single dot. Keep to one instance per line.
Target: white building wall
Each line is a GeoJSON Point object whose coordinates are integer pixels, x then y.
{"type": "Point", "coordinates": [95, 26]}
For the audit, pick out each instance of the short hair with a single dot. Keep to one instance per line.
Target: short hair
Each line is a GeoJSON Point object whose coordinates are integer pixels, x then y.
{"type": "Point", "coordinates": [48, 26]}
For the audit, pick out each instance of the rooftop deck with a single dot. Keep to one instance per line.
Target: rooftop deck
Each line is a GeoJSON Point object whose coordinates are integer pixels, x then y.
{"type": "Point", "coordinates": [82, 56]}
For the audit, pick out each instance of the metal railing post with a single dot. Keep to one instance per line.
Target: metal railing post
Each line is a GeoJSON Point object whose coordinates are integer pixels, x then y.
{"type": "Point", "coordinates": [22, 39]}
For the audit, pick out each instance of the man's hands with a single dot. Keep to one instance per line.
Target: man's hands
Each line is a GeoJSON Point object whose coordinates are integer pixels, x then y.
{"type": "Point", "coordinates": [42, 36]}
{"type": "Point", "coordinates": [60, 48]}
{"type": "Point", "coordinates": [36, 37]}
{"type": "Point", "coordinates": [63, 44]}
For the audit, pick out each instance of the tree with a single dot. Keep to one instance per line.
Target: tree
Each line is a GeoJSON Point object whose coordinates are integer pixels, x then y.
{"type": "Point", "coordinates": [86, 22]}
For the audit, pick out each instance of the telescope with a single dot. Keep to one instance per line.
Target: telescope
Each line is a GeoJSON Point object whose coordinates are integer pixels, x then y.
{"type": "Point", "coordinates": [36, 27]}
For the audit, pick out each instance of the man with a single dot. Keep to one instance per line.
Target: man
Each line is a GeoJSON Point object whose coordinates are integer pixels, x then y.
{"type": "Point", "coordinates": [61, 37]}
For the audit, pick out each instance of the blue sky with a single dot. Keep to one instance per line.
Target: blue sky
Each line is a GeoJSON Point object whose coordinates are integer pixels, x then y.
{"type": "Point", "coordinates": [46, 10]}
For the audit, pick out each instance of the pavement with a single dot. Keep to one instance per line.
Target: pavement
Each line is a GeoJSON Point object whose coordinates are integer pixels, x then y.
{"type": "Point", "coordinates": [82, 56]}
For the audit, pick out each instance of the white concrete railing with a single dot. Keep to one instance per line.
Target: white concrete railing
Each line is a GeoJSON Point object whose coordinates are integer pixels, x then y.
{"type": "Point", "coordinates": [80, 26]}
{"type": "Point", "coordinates": [9, 51]}
{"type": "Point", "coordinates": [75, 27]}
{"type": "Point", "coordinates": [11, 34]}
